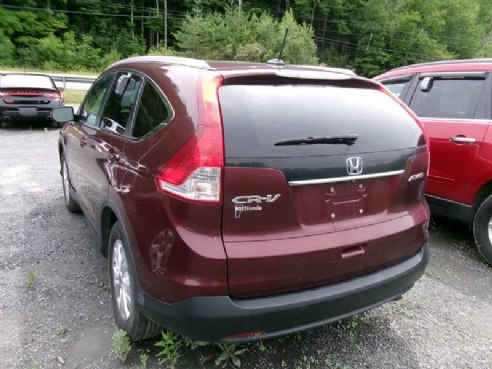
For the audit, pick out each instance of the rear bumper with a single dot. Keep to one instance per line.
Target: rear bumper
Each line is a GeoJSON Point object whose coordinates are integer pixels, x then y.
{"type": "Point", "coordinates": [215, 318]}
{"type": "Point", "coordinates": [13, 114]}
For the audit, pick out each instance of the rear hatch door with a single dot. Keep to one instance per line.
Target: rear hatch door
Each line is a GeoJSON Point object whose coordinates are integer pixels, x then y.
{"type": "Point", "coordinates": [310, 164]}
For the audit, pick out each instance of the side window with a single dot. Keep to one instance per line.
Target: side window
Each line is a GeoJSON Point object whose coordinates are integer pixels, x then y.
{"type": "Point", "coordinates": [94, 99]}
{"type": "Point", "coordinates": [395, 87]}
{"type": "Point", "coordinates": [448, 98]}
{"type": "Point", "coordinates": [152, 112]}
{"type": "Point", "coordinates": [121, 102]}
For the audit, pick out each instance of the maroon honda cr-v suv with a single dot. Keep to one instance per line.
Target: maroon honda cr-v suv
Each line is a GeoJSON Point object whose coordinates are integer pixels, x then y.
{"type": "Point", "coordinates": [240, 201]}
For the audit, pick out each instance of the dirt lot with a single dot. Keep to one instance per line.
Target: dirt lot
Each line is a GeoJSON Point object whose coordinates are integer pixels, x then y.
{"type": "Point", "coordinates": [55, 303]}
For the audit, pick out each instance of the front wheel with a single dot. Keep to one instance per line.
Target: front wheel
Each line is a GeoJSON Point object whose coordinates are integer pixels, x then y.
{"type": "Point", "coordinates": [122, 280]}
{"type": "Point", "coordinates": [482, 229]}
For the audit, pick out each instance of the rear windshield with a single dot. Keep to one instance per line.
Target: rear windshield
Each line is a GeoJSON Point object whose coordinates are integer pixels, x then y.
{"type": "Point", "coordinates": [26, 81]}
{"type": "Point", "coordinates": [256, 117]}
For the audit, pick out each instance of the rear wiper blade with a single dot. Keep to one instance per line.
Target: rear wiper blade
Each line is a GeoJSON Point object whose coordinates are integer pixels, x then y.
{"type": "Point", "coordinates": [335, 140]}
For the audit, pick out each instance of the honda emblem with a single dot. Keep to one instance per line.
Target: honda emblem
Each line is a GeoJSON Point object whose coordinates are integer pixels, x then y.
{"type": "Point", "coordinates": [354, 165]}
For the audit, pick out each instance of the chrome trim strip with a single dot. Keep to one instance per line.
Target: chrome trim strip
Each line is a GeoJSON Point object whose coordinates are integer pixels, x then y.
{"type": "Point", "coordinates": [455, 75]}
{"type": "Point", "coordinates": [457, 120]}
{"type": "Point", "coordinates": [345, 179]}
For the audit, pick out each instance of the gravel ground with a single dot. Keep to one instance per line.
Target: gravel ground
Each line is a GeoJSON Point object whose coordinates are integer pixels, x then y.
{"type": "Point", "coordinates": [56, 312]}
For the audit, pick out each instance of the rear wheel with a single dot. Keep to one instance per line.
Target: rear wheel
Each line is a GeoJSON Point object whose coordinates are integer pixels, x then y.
{"type": "Point", "coordinates": [482, 229]}
{"type": "Point", "coordinates": [123, 290]}
{"type": "Point", "coordinates": [68, 197]}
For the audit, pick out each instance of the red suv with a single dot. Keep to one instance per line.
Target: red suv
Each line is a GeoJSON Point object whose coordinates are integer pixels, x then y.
{"type": "Point", "coordinates": [453, 99]}
{"type": "Point", "coordinates": [240, 201]}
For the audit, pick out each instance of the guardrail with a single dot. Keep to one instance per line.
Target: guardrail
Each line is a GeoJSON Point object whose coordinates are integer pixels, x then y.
{"type": "Point", "coordinates": [67, 81]}
{"type": "Point", "coordinates": [80, 83]}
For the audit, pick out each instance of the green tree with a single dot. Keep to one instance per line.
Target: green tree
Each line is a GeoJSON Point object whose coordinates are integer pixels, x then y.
{"type": "Point", "coordinates": [240, 35]}
{"type": "Point", "coordinates": [7, 49]}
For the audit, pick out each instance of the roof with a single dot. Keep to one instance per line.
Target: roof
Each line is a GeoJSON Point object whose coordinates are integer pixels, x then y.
{"type": "Point", "coordinates": [222, 65]}
{"type": "Point", "coordinates": [444, 62]}
{"type": "Point", "coordinates": [457, 65]}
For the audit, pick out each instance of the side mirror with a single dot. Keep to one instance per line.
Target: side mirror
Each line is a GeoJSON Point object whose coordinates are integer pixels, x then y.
{"type": "Point", "coordinates": [62, 114]}
{"type": "Point", "coordinates": [426, 84]}
{"type": "Point", "coordinates": [122, 83]}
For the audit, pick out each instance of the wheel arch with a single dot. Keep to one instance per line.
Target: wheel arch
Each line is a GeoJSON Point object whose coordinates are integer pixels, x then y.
{"type": "Point", "coordinates": [484, 192]}
{"type": "Point", "coordinates": [61, 149]}
{"type": "Point", "coordinates": [108, 218]}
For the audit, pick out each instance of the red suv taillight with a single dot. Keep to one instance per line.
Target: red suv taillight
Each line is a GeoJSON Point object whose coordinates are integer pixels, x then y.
{"type": "Point", "coordinates": [195, 172]}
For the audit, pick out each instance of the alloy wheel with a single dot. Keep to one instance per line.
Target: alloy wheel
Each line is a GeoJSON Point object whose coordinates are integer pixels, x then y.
{"type": "Point", "coordinates": [121, 280]}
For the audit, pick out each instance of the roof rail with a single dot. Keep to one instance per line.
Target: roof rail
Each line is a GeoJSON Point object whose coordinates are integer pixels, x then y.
{"type": "Point", "coordinates": [454, 61]}
{"type": "Point", "coordinates": [189, 62]}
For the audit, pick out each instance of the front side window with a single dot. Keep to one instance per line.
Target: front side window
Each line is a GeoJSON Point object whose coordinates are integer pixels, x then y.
{"type": "Point", "coordinates": [448, 98]}
{"type": "Point", "coordinates": [152, 112]}
{"type": "Point", "coordinates": [94, 99]}
{"type": "Point", "coordinates": [121, 102]}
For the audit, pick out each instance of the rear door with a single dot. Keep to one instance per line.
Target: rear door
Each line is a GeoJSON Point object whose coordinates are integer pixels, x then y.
{"type": "Point", "coordinates": [455, 109]}
{"type": "Point", "coordinates": [309, 164]}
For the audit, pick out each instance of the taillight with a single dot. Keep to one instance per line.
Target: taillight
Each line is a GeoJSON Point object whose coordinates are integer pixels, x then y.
{"type": "Point", "coordinates": [51, 95]}
{"type": "Point", "coordinates": [195, 172]}
{"type": "Point", "coordinates": [409, 111]}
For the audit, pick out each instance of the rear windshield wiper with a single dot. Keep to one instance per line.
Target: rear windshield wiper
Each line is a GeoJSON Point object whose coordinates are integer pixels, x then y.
{"type": "Point", "coordinates": [335, 140]}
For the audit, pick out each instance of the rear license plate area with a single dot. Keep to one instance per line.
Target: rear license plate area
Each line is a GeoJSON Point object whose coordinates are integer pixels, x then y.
{"type": "Point", "coordinates": [28, 111]}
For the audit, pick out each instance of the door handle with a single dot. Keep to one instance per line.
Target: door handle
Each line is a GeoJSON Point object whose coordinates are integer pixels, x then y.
{"type": "Point", "coordinates": [462, 139]}
{"type": "Point", "coordinates": [114, 155]}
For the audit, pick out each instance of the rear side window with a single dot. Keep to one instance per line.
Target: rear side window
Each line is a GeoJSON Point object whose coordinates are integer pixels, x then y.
{"type": "Point", "coordinates": [395, 87]}
{"type": "Point", "coordinates": [256, 117]}
{"type": "Point", "coordinates": [94, 99]}
{"type": "Point", "coordinates": [121, 102]}
{"type": "Point", "coordinates": [448, 98]}
{"type": "Point", "coordinates": [152, 112]}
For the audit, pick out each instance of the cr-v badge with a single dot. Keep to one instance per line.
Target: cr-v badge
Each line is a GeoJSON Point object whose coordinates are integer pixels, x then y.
{"type": "Point", "coordinates": [241, 203]}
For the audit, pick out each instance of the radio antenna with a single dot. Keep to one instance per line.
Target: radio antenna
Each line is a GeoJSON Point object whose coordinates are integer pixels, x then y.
{"type": "Point", "coordinates": [279, 61]}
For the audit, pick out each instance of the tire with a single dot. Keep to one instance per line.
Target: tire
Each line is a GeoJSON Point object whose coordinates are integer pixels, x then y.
{"type": "Point", "coordinates": [482, 229]}
{"type": "Point", "coordinates": [122, 279]}
{"type": "Point", "coordinates": [68, 196]}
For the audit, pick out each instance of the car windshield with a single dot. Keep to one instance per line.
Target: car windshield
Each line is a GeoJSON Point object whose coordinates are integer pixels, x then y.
{"type": "Point", "coordinates": [25, 81]}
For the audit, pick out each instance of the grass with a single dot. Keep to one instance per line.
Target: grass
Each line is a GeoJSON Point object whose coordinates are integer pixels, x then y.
{"type": "Point", "coordinates": [73, 96]}
{"type": "Point", "coordinates": [144, 357]}
{"type": "Point", "coordinates": [121, 344]}
{"type": "Point", "coordinates": [170, 345]}
{"type": "Point", "coordinates": [31, 278]}
{"type": "Point", "coordinates": [229, 355]}
{"type": "Point", "coordinates": [61, 330]}
{"type": "Point", "coordinates": [33, 365]}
